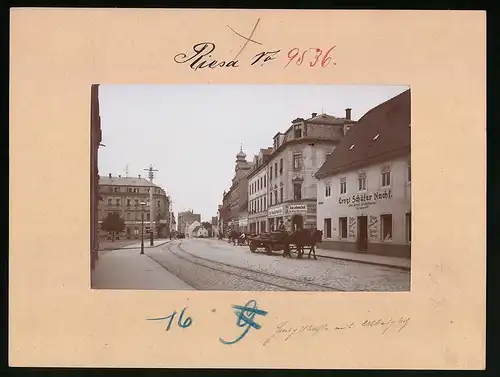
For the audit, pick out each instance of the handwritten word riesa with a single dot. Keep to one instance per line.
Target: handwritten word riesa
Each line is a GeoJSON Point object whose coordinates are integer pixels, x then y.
{"type": "Point", "coordinates": [313, 59]}
{"type": "Point", "coordinates": [245, 315]}
{"type": "Point", "coordinates": [182, 323]}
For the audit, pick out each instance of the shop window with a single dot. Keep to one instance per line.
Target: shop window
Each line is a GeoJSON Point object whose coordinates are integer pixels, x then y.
{"type": "Point", "coordinates": [328, 228]}
{"type": "Point", "coordinates": [328, 189]}
{"type": "Point", "coordinates": [408, 227]}
{"type": "Point", "coordinates": [343, 227]}
{"type": "Point", "coordinates": [297, 160]}
{"type": "Point", "coordinates": [386, 222]}
{"type": "Point", "coordinates": [343, 185]}
{"type": "Point", "coordinates": [386, 176]}
{"type": "Point", "coordinates": [362, 182]}
{"type": "Point", "coordinates": [297, 191]}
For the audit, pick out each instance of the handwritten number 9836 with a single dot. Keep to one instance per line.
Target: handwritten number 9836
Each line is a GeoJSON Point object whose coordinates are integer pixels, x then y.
{"type": "Point", "coordinates": [182, 323]}
{"type": "Point", "coordinates": [295, 53]}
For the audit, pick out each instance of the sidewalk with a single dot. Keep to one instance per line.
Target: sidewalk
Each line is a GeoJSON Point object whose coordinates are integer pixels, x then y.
{"type": "Point", "coordinates": [402, 263]}
{"type": "Point", "coordinates": [157, 242]}
{"type": "Point", "coordinates": [127, 269]}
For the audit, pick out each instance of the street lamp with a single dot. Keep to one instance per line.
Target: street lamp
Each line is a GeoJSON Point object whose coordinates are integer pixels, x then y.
{"type": "Point", "coordinates": [142, 227]}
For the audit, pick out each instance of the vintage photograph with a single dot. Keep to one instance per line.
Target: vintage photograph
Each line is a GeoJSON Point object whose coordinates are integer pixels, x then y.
{"type": "Point", "coordinates": [250, 187]}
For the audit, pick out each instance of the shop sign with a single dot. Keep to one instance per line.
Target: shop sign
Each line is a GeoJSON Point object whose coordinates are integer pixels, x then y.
{"type": "Point", "coordinates": [275, 212]}
{"type": "Point", "coordinates": [361, 201]}
{"type": "Point", "coordinates": [297, 208]}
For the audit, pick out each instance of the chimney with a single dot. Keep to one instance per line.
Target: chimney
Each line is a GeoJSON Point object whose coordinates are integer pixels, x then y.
{"type": "Point", "coordinates": [348, 114]}
{"type": "Point", "coordinates": [313, 115]}
{"type": "Point", "coordinates": [109, 175]}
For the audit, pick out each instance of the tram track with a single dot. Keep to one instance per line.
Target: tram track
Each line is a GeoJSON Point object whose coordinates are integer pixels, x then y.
{"type": "Point", "coordinates": [280, 282]}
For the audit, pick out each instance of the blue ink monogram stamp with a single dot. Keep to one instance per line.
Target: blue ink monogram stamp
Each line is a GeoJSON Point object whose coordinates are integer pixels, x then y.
{"type": "Point", "coordinates": [245, 318]}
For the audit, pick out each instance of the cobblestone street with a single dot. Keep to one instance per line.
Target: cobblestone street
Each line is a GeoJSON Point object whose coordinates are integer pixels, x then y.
{"type": "Point", "coordinates": [208, 264]}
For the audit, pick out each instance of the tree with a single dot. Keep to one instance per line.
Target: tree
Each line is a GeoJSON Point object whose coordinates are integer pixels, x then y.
{"type": "Point", "coordinates": [113, 223]}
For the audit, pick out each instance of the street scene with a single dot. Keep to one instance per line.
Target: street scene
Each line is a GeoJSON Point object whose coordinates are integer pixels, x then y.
{"type": "Point", "coordinates": [322, 204]}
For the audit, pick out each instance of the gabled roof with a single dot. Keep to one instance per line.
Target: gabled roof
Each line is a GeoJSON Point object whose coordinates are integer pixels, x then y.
{"type": "Point", "coordinates": [196, 229]}
{"type": "Point", "coordinates": [389, 120]}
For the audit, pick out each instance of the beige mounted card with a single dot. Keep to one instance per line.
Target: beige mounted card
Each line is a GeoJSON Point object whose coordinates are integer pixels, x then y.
{"type": "Point", "coordinates": [308, 93]}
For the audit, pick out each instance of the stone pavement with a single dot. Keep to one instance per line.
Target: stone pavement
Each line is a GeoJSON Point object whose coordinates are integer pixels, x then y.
{"type": "Point", "coordinates": [380, 260]}
{"type": "Point", "coordinates": [106, 246]}
{"type": "Point", "coordinates": [128, 269]}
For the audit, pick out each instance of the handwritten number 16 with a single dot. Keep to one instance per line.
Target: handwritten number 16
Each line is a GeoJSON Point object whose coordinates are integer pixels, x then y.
{"type": "Point", "coordinates": [180, 322]}
{"type": "Point", "coordinates": [294, 53]}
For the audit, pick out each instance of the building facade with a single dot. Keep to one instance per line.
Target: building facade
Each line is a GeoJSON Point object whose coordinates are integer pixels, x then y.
{"type": "Point", "coordinates": [124, 195]}
{"type": "Point", "coordinates": [234, 211]}
{"type": "Point", "coordinates": [95, 142]}
{"type": "Point", "coordinates": [364, 187]}
{"type": "Point", "coordinates": [258, 193]}
{"type": "Point", "coordinates": [185, 219]}
{"type": "Point", "coordinates": [297, 155]}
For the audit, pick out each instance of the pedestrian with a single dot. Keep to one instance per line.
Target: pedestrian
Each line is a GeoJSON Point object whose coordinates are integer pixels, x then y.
{"type": "Point", "coordinates": [281, 227]}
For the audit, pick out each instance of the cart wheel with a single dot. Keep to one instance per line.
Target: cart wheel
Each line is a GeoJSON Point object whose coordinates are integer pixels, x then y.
{"type": "Point", "coordinates": [252, 247]}
{"type": "Point", "coordinates": [269, 249]}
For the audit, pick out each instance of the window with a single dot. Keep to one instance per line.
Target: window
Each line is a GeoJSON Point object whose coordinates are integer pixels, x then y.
{"type": "Point", "coordinates": [343, 227]}
{"type": "Point", "coordinates": [129, 201]}
{"type": "Point", "coordinates": [386, 176]}
{"type": "Point", "coordinates": [275, 196]}
{"type": "Point", "coordinates": [297, 191]}
{"type": "Point", "coordinates": [328, 189]}
{"type": "Point", "coordinates": [109, 201]}
{"type": "Point", "coordinates": [297, 132]}
{"type": "Point", "coordinates": [271, 199]}
{"type": "Point", "coordinates": [386, 222]}
{"type": "Point", "coordinates": [261, 201]}
{"type": "Point", "coordinates": [128, 215]}
{"type": "Point", "coordinates": [409, 172]}
{"type": "Point", "coordinates": [261, 182]}
{"type": "Point", "coordinates": [276, 169]}
{"type": "Point", "coordinates": [281, 166]}
{"type": "Point", "coordinates": [136, 190]}
{"type": "Point", "coordinates": [297, 160]}
{"type": "Point", "coordinates": [158, 203]}
{"type": "Point", "coordinates": [281, 194]}
{"type": "Point", "coordinates": [117, 189]}
{"type": "Point", "coordinates": [148, 216]}
{"type": "Point", "coordinates": [328, 228]}
{"type": "Point", "coordinates": [129, 189]}
{"type": "Point", "coordinates": [111, 189]}
{"type": "Point", "coordinates": [136, 202]}
{"type": "Point", "coordinates": [265, 206]}
{"type": "Point", "coordinates": [117, 201]}
{"type": "Point", "coordinates": [408, 227]}
{"type": "Point", "coordinates": [362, 181]}
{"type": "Point", "coordinates": [264, 181]}
{"type": "Point", "coordinates": [343, 185]}
{"type": "Point", "coordinates": [270, 173]}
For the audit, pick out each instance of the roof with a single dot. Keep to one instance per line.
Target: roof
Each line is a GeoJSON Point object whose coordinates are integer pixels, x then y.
{"type": "Point", "coordinates": [124, 181]}
{"type": "Point", "coordinates": [325, 119]}
{"type": "Point", "coordinates": [390, 121]}
{"type": "Point", "coordinates": [196, 228]}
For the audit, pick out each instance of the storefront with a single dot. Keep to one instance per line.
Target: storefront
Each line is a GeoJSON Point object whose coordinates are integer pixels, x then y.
{"type": "Point", "coordinates": [294, 215]}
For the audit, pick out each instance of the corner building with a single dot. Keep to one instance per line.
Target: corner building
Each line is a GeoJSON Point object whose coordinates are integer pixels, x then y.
{"type": "Point", "coordinates": [297, 155]}
{"type": "Point", "coordinates": [364, 187]}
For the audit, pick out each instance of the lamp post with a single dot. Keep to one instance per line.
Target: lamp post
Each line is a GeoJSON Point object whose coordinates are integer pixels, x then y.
{"type": "Point", "coordinates": [142, 227]}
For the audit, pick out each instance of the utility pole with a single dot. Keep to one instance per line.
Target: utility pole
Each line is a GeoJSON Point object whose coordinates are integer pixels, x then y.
{"type": "Point", "coordinates": [151, 171]}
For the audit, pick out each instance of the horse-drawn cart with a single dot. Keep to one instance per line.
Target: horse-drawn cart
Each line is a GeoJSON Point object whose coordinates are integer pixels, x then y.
{"type": "Point", "coordinates": [268, 241]}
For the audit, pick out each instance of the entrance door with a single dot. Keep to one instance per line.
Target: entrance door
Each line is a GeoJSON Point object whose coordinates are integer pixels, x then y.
{"type": "Point", "coordinates": [297, 222]}
{"type": "Point", "coordinates": [362, 241]}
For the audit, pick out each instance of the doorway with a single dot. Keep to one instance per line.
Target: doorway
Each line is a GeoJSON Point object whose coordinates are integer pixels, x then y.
{"type": "Point", "coordinates": [297, 222]}
{"type": "Point", "coordinates": [362, 241]}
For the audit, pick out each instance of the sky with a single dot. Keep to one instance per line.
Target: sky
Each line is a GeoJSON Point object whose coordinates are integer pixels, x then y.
{"type": "Point", "coordinates": [192, 133]}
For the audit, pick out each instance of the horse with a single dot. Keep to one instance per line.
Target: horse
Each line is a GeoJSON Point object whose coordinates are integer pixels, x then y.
{"type": "Point", "coordinates": [309, 238]}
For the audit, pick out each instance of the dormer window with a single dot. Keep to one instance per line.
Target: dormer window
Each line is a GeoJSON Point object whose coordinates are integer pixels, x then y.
{"type": "Point", "coordinates": [297, 132]}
